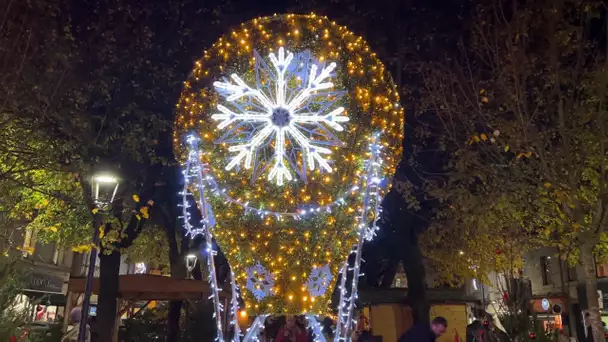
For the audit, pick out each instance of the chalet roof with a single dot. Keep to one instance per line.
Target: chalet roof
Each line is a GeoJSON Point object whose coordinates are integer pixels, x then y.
{"type": "Point", "coordinates": [152, 287]}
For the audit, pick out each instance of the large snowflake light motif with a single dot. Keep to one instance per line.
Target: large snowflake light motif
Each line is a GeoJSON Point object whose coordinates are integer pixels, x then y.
{"type": "Point", "coordinates": [319, 280]}
{"type": "Point", "coordinates": [285, 115]}
{"type": "Point", "coordinates": [259, 281]}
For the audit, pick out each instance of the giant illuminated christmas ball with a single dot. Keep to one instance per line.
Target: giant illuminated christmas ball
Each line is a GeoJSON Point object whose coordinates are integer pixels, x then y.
{"type": "Point", "coordinates": [286, 107]}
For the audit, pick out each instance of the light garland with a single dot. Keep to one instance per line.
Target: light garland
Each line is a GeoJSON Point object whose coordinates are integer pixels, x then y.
{"type": "Point", "coordinates": [262, 213]}
{"type": "Point", "coordinates": [366, 232]}
{"type": "Point", "coordinates": [254, 330]}
{"type": "Point", "coordinates": [316, 328]}
{"type": "Point", "coordinates": [234, 302]}
{"type": "Point", "coordinates": [343, 303]}
{"type": "Point", "coordinates": [193, 176]}
{"type": "Point", "coordinates": [262, 133]}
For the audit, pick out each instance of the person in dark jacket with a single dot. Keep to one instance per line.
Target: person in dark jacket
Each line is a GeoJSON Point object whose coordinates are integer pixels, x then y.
{"type": "Point", "coordinates": [425, 333]}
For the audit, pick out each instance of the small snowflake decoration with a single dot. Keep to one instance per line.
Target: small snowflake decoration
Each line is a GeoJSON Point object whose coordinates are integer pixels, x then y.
{"type": "Point", "coordinates": [286, 115]}
{"type": "Point", "coordinates": [319, 280]}
{"type": "Point", "coordinates": [259, 281]}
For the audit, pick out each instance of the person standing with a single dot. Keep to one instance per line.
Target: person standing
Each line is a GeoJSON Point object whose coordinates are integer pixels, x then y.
{"type": "Point", "coordinates": [425, 333]}
{"type": "Point", "coordinates": [73, 329]}
{"type": "Point", "coordinates": [291, 332]}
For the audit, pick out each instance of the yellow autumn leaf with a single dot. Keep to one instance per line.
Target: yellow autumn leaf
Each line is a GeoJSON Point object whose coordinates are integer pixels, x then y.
{"type": "Point", "coordinates": [476, 138]}
{"type": "Point", "coordinates": [528, 154]}
{"type": "Point", "coordinates": [519, 155]}
{"type": "Point", "coordinates": [83, 248]}
{"type": "Point", "coordinates": [54, 229]}
{"type": "Point", "coordinates": [484, 137]}
{"type": "Point", "coordinates": [135, 198]}
{"type": "Point", "coordinates": [138, 217]}
{"type": "Point", "coordinates": [102, 233]}
{"type": "Point", "coordinates": [482, 91]}
{"type": "Point", "coordinates": [507, 148]}
{"type": "Point", "coordinates": [95, 211]}
{"type": "Point", "coordinates": [144, 212]}
{"type": "Point", "coordinates": [547, 185]}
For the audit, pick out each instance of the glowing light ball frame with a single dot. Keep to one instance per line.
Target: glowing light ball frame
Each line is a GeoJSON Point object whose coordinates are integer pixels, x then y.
{"type": "Point", "coordinates": [292, 125]}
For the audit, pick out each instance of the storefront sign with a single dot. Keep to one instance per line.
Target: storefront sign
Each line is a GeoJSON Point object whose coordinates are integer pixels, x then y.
{"type": "Point", "coordinates": [45, 283]}
{"type": "Point", "coordinates": [545, 304]}
{"type": "Point", "coordinates": [548, 305]}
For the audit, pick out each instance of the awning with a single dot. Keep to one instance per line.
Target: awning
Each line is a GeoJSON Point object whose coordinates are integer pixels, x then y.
{"type": "Point", "coordinates": [43, 298]}
{"type": "Point", "coordinates": [152, 287]}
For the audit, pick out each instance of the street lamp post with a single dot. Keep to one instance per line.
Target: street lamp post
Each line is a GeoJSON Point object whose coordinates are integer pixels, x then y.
{"type": "Point", "coordinates": [190, 262]}
{"type": "Point", "coordinates": [103, 188]}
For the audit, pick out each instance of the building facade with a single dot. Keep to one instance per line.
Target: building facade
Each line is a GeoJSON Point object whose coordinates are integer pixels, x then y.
{"type": "Point", "coordinates": [558, 290]}
{"type": "Point", "coordinates": [48, 266]}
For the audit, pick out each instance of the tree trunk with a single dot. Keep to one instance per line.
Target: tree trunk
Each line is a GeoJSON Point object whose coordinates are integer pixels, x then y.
{"type": "Point", "coordinates": [175, 311]}
{"type": "Point", "coordinates": [389, 273]}
{"type": "Point", "coordinates": [416, 281]}
{"type": "Point", "coordinates": [108, 294]}
{"type": "Point", "coordinates": [590, 279]}
{"type": "Point", "coordinates": [563, 270]}
{"type": "Point", "coordinates": [178, 270]}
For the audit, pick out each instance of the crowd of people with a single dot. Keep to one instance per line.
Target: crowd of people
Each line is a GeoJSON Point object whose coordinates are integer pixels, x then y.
{"type": "Point", "coordinates": [294, 329]}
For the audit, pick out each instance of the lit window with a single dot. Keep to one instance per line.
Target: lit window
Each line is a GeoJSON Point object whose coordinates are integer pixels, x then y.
{"type": "Point", "coordinates": [544, 269]}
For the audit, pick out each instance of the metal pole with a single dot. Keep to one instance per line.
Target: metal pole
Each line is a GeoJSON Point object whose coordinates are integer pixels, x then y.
{"type": "Point", "coordinates": [86, 303]}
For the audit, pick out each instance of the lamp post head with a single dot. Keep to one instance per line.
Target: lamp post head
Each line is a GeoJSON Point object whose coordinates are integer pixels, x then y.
{"type": "Point", "coordinates": [191, 261]}
{"type": "Point", "coordinates": [104, 187]}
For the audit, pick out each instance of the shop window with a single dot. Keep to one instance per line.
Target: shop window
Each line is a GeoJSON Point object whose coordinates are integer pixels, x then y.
{"type": "Point", "coordinates": [544, 270]}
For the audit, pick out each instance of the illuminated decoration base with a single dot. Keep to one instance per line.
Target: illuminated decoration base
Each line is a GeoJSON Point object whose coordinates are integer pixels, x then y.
{"type": "Point", "coordinates": [261, 281]}
{"type": "Point", "coordinates": [286, 169]}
